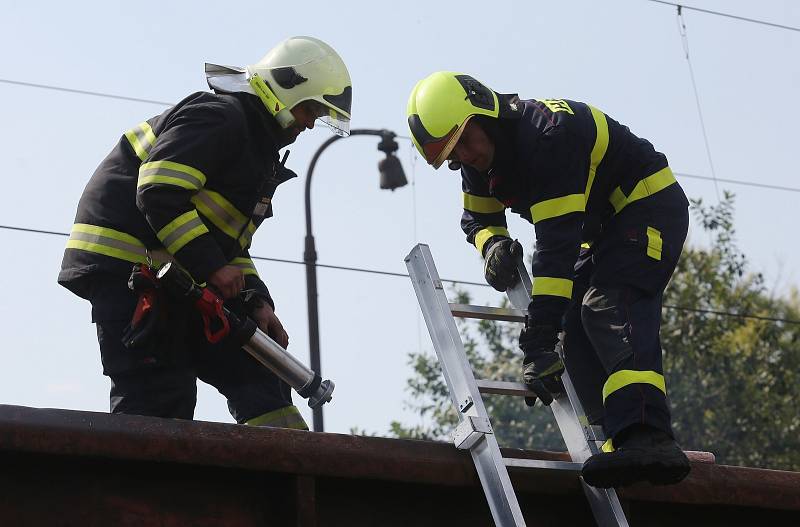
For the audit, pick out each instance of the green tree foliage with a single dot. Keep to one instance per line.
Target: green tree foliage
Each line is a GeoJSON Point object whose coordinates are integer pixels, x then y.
{"type": "Point", "coordinates": [733, 381]}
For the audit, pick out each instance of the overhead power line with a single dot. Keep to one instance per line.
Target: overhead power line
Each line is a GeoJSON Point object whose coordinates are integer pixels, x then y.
{"type": "Point", "coordinates": [85, 92]}
{"type": "Point", "coordinates": [738, 182]}
{"type": "Point", "coordinates": [449, 280]}
{"type": "Point", "coordinates": [685, 41]}
{"type": "Point", "coordinates": [97, 94]}
{"type": "Point", "coordinates": [278, 260]}
{"type": "Point", "coordinates": [728, 15]}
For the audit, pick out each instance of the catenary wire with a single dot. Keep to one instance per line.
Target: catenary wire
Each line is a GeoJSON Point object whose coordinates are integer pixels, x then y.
{"type": "Point", "coordinates": [85, 92]}
{"type": "Point", "coordinates": [685, 42]}
{"type": "Point", "coordinates": [449, 280]}
{"type": "Point", "coordinates": [694, 176]}
{"type": "Point", "coordinates": [738, 182]}
{"type": "Point", "coordinates": [727, 15]}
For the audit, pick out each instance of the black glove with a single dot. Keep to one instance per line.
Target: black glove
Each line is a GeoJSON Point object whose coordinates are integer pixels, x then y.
{"type": "Point", "coordinates": [542, 366]}
{"type": "Point", "coordinates": [500, 267]}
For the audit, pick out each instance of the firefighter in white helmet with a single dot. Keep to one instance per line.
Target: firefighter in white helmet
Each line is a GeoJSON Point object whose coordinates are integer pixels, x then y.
{"type": "Point", "coordinates": [191, 186]}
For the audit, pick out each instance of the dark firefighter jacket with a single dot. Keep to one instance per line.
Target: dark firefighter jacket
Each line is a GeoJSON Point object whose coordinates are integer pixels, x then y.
{"type": "Point", "coordinates": [195, 181]}
{"type": "Point", "coordinates": [569, 169]}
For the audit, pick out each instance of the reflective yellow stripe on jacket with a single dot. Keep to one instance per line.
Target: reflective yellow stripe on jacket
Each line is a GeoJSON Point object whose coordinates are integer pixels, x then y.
{"type": "Point", "coordinates": [171, 173]}
{"type": "Point", "coordinates": [224, 215]}
{"type": "Point", "coordinates": [246, 265]}
{"type": "Point", "coordinates": [142, 139]}
{"type": "Point", "coordinates": [482, 204]}
{"type": "Point", "coordinates": [555, 207]}
{"type": "Point", "coordinates": [181, 231]}
{"type": "Point", "coordinates": [599, 148]}
{"type": "Point", "coordinates": [484, 234]}
{"type": "Point", "coordinates": [109, 242]}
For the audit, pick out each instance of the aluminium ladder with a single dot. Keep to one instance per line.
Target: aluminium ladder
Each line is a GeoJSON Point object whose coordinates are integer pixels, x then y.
{"type": "Point", "coordinates": [474, 431]}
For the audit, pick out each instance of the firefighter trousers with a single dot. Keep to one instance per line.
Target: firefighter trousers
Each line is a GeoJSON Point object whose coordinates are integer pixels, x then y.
{"type": "Point", "coordinates": [159, 378]}
{"type": "Point", "coordinates": [612, 347]}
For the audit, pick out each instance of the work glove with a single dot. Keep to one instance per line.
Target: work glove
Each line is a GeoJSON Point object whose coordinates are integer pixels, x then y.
{"type": "Point", "coordinates": [542, 366]}
{"type": "Point", "coordinates": [500, 266]}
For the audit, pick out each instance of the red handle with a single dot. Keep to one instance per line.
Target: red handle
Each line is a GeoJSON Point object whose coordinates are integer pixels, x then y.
{"type": "Point", "coordinates": [210, 307]}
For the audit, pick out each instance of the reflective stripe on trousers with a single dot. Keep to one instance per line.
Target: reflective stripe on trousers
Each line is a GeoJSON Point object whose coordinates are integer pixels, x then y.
{"type": "Point", "coordinates": [287, 417]}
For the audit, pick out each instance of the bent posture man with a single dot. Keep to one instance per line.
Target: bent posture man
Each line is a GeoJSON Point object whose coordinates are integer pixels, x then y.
{"type": "Point", "coordinates": [610, 222]}
{"type": "Point", "coordinates": [191, 186]}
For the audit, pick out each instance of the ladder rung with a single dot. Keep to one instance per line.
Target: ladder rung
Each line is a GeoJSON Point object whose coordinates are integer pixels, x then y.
{"type": "Point", "coordinates": [487, 313]}
{"type": "Point", "coordinates": [503, 388]}
{"type": "Point", "coordinates": [593, 433]}
{"type": "Point", "coordinates": [568, 466]}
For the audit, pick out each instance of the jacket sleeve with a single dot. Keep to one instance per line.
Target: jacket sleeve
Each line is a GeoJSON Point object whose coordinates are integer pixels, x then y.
{"type": "Point", "coordinates": [557, 213]}
{"type": "Point", "coordinates": [191, 150]}
{"type": "Point", "coordinates": [484, 217]}
{"type": "Point", "coordinates": [252, 281]}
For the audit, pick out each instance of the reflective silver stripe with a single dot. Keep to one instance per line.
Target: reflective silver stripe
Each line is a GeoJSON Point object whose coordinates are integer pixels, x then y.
{"type": "Point", "coordinates": [247, 235]}
{"type": "Point", "coordinates": [144, 173]}
{"type": "Point", "coordinates": [245, 264]}
{"type": "Point", "coordinates": [108, 242]}
{"type": "Point", "coordinates": [142, 139]}
{"type": "Point", "coordinates": [183, 229]}
{"type": "Point", "coordinates": [162, 256]}
{"type": "Point", "coordinates": [218, 215]}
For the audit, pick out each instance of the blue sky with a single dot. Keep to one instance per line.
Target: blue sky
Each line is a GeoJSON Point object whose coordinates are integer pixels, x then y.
{"type": "Point", "coordinates": [624, 56]}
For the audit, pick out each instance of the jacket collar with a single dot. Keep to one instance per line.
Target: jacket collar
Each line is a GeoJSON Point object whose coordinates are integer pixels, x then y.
{"type": "Point", "coordinates": [260, 119]}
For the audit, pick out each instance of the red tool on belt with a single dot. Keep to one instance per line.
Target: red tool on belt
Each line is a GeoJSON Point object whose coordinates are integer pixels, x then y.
{"type": "Point", "coordinates": [211, 308]}
{"type": "Point", "coordinates": [147, 314]}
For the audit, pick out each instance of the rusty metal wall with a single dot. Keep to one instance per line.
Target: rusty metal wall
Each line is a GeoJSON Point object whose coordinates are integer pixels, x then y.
{"type": "Point", "coordinates": [67, 468]}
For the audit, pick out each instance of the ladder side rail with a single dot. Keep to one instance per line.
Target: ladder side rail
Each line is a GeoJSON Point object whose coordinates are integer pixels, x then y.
{"type": "Point", "coordinates": [569, 415]}
{"type": "Point", "coordinates": [461, 383]}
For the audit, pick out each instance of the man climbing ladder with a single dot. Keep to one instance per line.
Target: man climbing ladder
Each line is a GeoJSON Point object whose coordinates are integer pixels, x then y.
{"type": "Point", "coordinates": [610, 222]}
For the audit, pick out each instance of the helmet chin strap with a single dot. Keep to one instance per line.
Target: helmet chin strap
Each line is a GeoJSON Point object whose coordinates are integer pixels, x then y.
{"type": "Point", "coordinates": [274, 106]}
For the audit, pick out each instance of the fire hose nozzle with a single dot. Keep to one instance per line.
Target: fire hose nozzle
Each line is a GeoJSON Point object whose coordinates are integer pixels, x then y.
{"type": "Point", "coordinates": [258, 344]}
{"type": "Point", "coordinates": [322, 395]}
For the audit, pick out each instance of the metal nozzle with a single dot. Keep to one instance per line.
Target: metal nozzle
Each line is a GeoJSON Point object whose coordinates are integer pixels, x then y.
{"type": "Point", "coordinates": [322, 395]}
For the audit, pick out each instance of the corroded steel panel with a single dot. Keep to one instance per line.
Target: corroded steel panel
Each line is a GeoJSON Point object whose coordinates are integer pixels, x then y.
{"type": "Point", "coordinates": [62, 467]}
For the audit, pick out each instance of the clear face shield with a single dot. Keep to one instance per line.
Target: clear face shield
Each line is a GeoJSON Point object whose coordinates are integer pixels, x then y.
{"type": "Point", "coordinates": [335, 112]}
{"type": "Point", "coordinates": [339, 124]}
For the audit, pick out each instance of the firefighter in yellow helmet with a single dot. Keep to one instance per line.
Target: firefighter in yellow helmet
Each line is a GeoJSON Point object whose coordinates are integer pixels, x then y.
{"type": "Point", "coordinates": [192, 185]}
{"type": "Point", "coordinates": [610, 222]}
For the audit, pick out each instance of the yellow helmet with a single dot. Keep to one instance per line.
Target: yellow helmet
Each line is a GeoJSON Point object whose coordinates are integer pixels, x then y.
{"type": "Point", "coordinates": [439, 108]}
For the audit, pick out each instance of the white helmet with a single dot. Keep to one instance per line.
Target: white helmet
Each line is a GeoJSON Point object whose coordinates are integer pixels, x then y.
{"type": "Point", "coordinates": [296, 70]}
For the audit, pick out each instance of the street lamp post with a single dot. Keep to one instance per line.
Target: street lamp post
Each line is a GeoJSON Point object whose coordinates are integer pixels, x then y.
{"type": "Point", "coordinates": [392, 177]}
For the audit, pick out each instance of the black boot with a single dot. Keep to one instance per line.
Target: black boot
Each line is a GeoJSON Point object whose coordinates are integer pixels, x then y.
{"type": "Point", "coordinates": [644, 453]}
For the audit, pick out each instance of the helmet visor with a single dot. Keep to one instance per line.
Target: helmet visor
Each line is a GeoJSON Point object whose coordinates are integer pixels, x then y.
{"type": "Point", "coordinates": [337, 117]}
{"type": "Point", "coordinates": [436, 152]}
{"type": "Point", "coordinates": [329, 116]}
{"type": "Point", "coordinates": [338, 123]}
